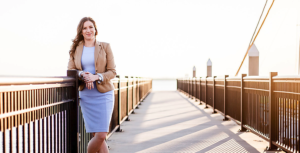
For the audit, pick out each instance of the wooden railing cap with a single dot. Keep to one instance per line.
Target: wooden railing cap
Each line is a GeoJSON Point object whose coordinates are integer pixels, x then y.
{"type": "Point", "coordinates": [34, 80]}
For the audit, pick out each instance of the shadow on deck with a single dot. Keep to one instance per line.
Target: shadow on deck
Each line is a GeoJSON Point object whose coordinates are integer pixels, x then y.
{"type": "Point", "coordinates": [168, 121]}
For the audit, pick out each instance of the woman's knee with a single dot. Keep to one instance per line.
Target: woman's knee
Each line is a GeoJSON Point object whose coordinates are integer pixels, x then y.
{"type": "Point", "coordinates": [100, 136]}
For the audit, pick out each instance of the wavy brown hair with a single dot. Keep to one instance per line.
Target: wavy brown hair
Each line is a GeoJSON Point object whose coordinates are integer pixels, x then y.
{"type": "Point", "coordinates": [79, 37]}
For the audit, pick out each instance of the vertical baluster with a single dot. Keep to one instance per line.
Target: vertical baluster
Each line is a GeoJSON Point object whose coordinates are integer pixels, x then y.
{"type": "Point", "coordinates": [9, 124]}
{"type": "Point", "coordinates": [43, 120]}
{"type": "Point", "coordinates": [14, 136]}
{"type": "Point", "coordinates": [298, 120]}
{"type": "Point", "coordinates": [22, 122]}
{"type": "Point", "coordinates": [4, 122]}
{"type": "Point", "coordinates": [46, 121]}
{"type": "Point", "coordinates": [1, 123]}
{"type": "Point", "coordinates": [295, 116]}
{"type": "Point", "coordinates": [52, 91]}
{"type": "Point", "coordinates": [293, 136]}
{"type": "Point", "coordinates": [31, 121]}
{"type": "Point", "coordinates": [28, 105]}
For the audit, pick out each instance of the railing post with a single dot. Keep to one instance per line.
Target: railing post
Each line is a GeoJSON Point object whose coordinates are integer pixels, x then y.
{"type": "Point", "coordinates": [143, 91]}
{"type": "Point", "coordinates": [200, 91]}
{"type": "Point", "coordinates": [272, 115]}
{"type": "Point", "coordinates": [213, 97]}
{"type": "Point", "coordinates": [189, 95]}
{"type": "Point", "coordinates": [206, 92]}
{"type": "Point", "coordinates": [195, 92]}
{"type": "Point", "coordinates": [184, 82]}
{"type": "Point", "coordinates": [138, 94]}
{"type": "Point", "coordinates": [184, 86]}
{"type": "Point", "coordinates": [127, 99]}
{"type": "Point", "coordinates": [119, 104]}
{"type": "Point", "coordinates": [133, 86]}
{"type": "Point", "coordinates": [243, 114]}
{"type": "Point", "coordinates": [187, 87]}
{"type": "Point", "coordinates": [74, 136]}
{"type": "Point", "coordinates": [193, 86]}
{"type": "Point", "coordinates": [196, 89]}
{"type": "Point", "coordinates": [225, 100]}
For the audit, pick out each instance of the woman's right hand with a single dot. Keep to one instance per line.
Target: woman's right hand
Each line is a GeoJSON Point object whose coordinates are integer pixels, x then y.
{"type": "Point", "coordinates": [88, 82]}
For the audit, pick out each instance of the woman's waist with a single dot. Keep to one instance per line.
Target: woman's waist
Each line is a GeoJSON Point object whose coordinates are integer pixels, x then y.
{"type": "Point", "coordinates": [94, 92]}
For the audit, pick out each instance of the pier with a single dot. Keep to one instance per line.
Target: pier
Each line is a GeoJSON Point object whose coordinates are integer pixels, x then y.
{"type": "Point", "coordinates": [209, 114]}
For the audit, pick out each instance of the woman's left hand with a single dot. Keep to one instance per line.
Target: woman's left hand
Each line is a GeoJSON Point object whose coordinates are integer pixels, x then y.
{"type": "Point", "coordinates": [89, 78]}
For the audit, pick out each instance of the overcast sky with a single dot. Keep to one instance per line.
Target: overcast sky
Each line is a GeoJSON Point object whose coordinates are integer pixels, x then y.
{"type": "Point", "coordinates": [150, 38]}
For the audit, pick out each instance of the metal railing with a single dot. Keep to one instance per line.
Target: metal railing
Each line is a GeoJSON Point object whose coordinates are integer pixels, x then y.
{"type": "Point", "coordinates": [42, 114]}
{"type": "Point", "coordinates": [267, 106]}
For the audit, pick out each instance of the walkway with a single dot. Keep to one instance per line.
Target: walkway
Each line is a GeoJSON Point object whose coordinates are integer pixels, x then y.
{"type": "Point", "coordinates": [167, 121]}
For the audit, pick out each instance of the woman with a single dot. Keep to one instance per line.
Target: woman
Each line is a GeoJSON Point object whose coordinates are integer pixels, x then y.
{"type": "Point", "coordinates": [95, 62]}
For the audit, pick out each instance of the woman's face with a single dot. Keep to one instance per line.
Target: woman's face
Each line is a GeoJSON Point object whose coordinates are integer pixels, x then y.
{"type": "Point", "coordinates": [88, 30]}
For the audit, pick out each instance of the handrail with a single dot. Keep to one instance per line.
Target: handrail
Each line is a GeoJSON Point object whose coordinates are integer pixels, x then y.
{"type": "Point", "coordinates": [256, 78]}
{"type": "Point", "coordinates": [287, 77]}
{"type": "Point", "coordinates": [34, 80]}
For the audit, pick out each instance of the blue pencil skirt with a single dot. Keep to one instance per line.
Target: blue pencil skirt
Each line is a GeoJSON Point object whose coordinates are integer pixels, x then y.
{"type": "Point", "coordinates": [96, 109]}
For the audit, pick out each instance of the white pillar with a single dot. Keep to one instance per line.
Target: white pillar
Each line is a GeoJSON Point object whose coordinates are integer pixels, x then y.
{"type": "Point", "coordinates": [209, 68]}
{"type": "Point", "coordinates": [253, 67]}
{"type": "Point", "coordinates": [194, 72]}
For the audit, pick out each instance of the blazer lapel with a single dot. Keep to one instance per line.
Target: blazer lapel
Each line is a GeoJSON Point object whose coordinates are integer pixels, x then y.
{"type": "Point", "coordinates": [79, 50]}
{"type": "Point", "coordinates": [97, 50]}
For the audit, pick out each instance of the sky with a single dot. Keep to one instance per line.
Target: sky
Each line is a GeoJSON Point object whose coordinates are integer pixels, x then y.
{"type": "Point", "coordinates": [151, 38]}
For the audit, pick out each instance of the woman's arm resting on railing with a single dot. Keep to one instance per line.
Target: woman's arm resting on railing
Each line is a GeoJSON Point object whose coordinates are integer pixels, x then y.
{"type": "Point", "coordinates": [71, 66]}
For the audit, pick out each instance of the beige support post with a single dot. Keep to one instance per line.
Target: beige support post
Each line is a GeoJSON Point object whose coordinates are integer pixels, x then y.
{"type": "Point", "coordinates": [253, 67]}
{"type": "Point", "coordinates": [194, 72]}
{"type": "Point", "coordinates": [209, 68]}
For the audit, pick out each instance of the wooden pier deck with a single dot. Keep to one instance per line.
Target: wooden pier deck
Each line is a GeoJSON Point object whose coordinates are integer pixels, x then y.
{"type": "Point", "coordinates": [168, 121]}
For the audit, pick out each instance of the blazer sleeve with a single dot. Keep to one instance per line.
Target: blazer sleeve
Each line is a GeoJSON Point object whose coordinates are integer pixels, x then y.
{"type": "Point", "coordinates": [71, 64]}
{"type": "Point", "coordinates": [110, 72]}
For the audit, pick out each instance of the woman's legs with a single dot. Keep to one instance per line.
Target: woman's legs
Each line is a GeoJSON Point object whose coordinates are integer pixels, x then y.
{"type": "Point", "coordinates": [97, 142]}
{"type": "Point", "coordinates": [104, 148]}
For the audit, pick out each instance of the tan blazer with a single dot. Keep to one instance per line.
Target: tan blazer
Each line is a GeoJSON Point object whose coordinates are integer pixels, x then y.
{"type": "Point", "coordinates": [104, 64]}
